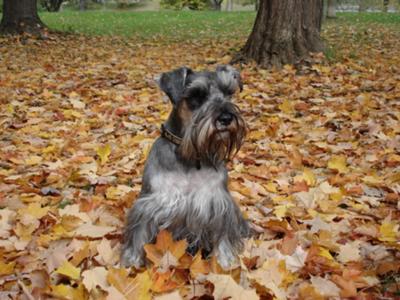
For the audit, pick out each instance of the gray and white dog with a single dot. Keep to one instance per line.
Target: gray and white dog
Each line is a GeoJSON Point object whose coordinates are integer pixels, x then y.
{"type": "Point", "coordinates": [184, 186]}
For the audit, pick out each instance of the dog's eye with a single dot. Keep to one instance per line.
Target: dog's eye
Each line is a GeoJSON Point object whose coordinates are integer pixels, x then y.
{"type": "Point", "coordinates": [196, 97]}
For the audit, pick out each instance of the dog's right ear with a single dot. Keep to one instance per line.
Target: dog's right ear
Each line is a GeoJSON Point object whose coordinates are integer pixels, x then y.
{"type": "Point", "coordinates": [173, 83]}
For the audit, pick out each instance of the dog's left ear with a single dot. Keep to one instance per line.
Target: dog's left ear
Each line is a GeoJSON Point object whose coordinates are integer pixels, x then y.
{"type": "Point", "coordinates": [230, 78]}
{"type": "Point", "coordinates": [173, 83]}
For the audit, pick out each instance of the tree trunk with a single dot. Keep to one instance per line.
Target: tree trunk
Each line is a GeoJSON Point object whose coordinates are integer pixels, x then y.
{"type": "Point", "coordinates": [82, 5]}
{"type": "Point", "coordinates": [285, 32]}
{"type": "Point", "coordinates": [229, 5]}
{"type": "Point", "coordinates": [217, 4]}
{"type": "Point", "coordinates": [20, 16]}
{"type": "Point", "coordinates": [385, 5]}
{"type": "Point", "coordinates": [362, 5]}
{"type": "Point", "coordinates": [331, 9]}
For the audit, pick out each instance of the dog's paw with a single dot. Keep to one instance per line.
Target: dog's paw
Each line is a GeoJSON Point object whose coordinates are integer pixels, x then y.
{"type": "Point", "coordinates": [131, 259]}
{"type": "Point", "coordinates": [227, 262]}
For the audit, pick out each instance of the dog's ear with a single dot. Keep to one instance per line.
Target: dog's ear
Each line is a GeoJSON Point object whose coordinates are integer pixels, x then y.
{"type": "Point", "coordinates": [229, 78]}
{"type": "Point", "coordinates": [173, 83]}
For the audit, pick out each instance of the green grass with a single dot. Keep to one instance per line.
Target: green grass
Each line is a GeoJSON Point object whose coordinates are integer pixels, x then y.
{"type": "Point", "coordinates": [179, 25]}
{"type": "Point", "coordinates": [369, 18]}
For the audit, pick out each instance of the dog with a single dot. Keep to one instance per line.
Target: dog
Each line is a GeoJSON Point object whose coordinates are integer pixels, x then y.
{"type": "Point", "coordinates": [184, 186]}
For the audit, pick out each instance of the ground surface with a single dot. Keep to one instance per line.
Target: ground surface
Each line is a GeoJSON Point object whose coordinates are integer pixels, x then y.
{"type": "Point", "coordinates": [319, 175]}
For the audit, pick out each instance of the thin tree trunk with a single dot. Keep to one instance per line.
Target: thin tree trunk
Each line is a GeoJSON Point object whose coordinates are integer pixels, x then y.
{"type": "Point", "coordinates": [285, 32]}
{"type": "Point", "coordinates": [331, 9]}
{"type": "Point", "coordinates": [385, 5]}
{"type": "Point", "coordinates": [229, 5]}
{"type": "Point", "coordinates": [82, 5]}
{"type": "Point", "coordinates": [362, 5]}
{"type": "Point", "coordinates": [20, 16]}
{"type": "Point", "coordinates": [217, 4]}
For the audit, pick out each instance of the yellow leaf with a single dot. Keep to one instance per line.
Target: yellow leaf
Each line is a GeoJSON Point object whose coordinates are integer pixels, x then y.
{"type": "Point", "coordinates": [49, 149]}
{"type": "Point", "coordinates": [286, 107]}
{"type": "Point", "coordinates": [271, 187]}
{"type": "Point", "coordinates": [339, 163]}
{"type": "Point", "coordinates": [388, 232]}
{"type": "Point", "coordinates": [35, 209]}
{"type": "Point", "coordinates": [256, 135]}
{"type": "Point", "coordinates": [7, 269]}
{"type": "Point", "coordinates": [309, 177]}
{"type": "Point", "coordinates": [131, 288]}
{"type": "Point", "coordinates": [226, 288]}
{"type": "Point", "coordinates": [280, 210]}
{"type": "Point", "coordinates": [69, 270]}
{"type": "Point", "coordinates": [104, 152]}
{"type": "Point", "coordinates": [68, 292]}
{"type": "Point", "coordinates": [325, 253]}
{"type": "Point", "coordinates": [199, 266]}
{"type": "Point", "coordinates": [33, 160]}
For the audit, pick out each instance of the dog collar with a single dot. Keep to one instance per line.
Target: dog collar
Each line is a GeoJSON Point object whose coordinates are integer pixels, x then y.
{"type": "Point", "coordinates": [170, 136]}
{"type": "Point", "coordinates": [165, 133]}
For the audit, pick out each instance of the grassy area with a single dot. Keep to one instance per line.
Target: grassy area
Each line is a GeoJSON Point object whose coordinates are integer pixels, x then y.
{"type": "Point", "coordinates": [182, 25]}
{"type": "Point", "coordinates": [369, 18]}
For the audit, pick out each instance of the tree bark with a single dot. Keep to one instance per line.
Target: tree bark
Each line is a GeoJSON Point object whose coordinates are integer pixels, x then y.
{"type": "Point", "coordinates": [362, 5]}
{"type": "Point", "coordinates": [285, 32]}
{"type": "Point", "coordinates": [385, 5]}
{"type": "Point", "coordinates": [217, 4]}
{"type": "Point", "coordinates": [229, 5]}
{"type": "Point", "coordinates": [82, 5]}
{"type": "Point", "coordinates": [331, 9]}
{"type": "Point", "coordinates": [20, 16]}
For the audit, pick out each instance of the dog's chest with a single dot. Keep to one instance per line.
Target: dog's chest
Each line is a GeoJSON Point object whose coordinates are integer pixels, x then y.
{"type": "Point", "coordinates": [189, 183]}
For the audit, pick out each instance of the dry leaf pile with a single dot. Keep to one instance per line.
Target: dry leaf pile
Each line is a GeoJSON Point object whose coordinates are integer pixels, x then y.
{"type": "Point", "coordinates": [319, 176]}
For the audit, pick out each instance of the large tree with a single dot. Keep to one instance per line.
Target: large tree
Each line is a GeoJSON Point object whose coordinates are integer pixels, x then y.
{"type": "Point", "coordinates": [20, 16]}
{"type": "Point", "coordinates": [285, 32]}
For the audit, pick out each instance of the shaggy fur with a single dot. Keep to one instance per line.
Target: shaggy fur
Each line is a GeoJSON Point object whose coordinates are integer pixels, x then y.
{"type": "Point", "coordinates": [185, 186]}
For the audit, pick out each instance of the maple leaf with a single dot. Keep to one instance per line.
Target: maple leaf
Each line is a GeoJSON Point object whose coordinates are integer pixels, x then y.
{"type": "Point", "coordinates": [6, 268]}
{"type": "Point", "coordinates": [338, 163]}
{"type": "Point", "coordinates": [68, 292]}
{"type": "Point", "coordinates": [104, 152]}
{"type": "Point", "coordinates": [107, 254]}
{"type": "Point", "coordinates": [95, 277]}
{"type": "Point", "coordinates": [199, 266]}
{"type": "Point", "coordinates": [325, 287]}
{"type": "Point", "coordinates": [129, 288]}
{"type": "Point", "coordinates": [165, 248]}
{"type": "Point", "coordinates": [69, 270]}
{"type": "Point", "coordinates": [165, 281]}
{"type": "Point", "coordinates": [349, 252]}
{"type": "Point", "coordinates": [226, 287]}
{"type": "Point", "coordinates": [93, 231]}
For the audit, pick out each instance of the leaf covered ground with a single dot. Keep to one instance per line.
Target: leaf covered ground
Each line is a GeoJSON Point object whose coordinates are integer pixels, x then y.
{"type": "Point", "coordinates": [319, 175]}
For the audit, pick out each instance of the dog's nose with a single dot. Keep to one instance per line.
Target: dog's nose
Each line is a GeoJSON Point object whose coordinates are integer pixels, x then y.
{"type": "Point", "coordinates": [225, 118]}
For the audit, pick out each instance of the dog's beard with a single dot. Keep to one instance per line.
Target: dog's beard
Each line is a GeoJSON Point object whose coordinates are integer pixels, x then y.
{"type": "Point", "coordinates": [205, 140]}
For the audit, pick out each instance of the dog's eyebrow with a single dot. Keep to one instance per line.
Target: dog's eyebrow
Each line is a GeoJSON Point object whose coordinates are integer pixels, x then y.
{"type": "Point", "coordinates": [200, 82]}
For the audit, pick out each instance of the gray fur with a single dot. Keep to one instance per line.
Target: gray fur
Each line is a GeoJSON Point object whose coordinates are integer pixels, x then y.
{"type": "Point", "coordinates": [191, 202]}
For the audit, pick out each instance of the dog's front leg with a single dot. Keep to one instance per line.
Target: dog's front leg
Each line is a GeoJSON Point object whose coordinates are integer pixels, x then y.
{"type": "Point", "coordinates": [139, 231]}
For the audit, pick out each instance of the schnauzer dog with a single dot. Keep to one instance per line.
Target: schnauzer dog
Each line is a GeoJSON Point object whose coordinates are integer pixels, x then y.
{"type": "Point", "coordinates": [184, 186]}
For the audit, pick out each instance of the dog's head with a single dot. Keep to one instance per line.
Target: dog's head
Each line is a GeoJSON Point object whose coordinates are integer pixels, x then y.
{"type": "Point", "coordinates": [211, 125]}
